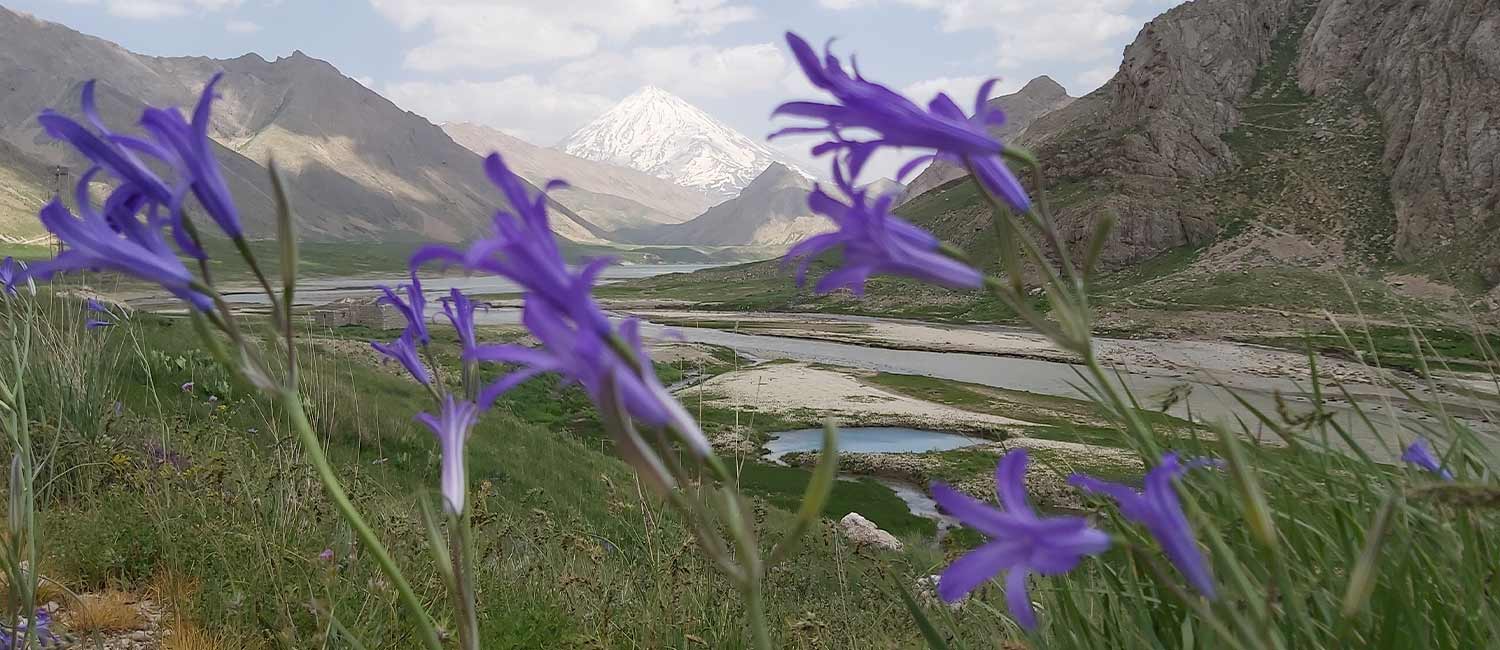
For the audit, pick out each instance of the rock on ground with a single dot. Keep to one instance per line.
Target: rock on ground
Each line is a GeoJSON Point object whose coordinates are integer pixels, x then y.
{"type": "Point", "coordinates": [864, 532]}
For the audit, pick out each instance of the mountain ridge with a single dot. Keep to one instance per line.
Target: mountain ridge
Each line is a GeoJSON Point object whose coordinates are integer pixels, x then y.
{"type": "Point", "coordinates": [357, 165]}
{"type": "Point", "coordinates": [609, 196]}
{"type": "Point", "coordinates": [770, 212]}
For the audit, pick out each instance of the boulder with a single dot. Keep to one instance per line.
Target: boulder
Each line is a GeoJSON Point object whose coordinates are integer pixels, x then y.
{"type": "Point", "coordinates": [864, 532]}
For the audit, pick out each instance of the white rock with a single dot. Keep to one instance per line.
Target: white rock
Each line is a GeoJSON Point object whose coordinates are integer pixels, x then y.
{"type": "Point", "coordinates": [864, 532]}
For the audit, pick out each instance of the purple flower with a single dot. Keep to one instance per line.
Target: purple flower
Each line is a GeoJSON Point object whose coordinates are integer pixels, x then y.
{"type": "Point", "coordinates": [896, 121]}
{"type": "Point", "coordinates": [577, 339]}
{"type": "Point", "coordinates": [187, 387]}
{"type": "Point", "coordinates": [524, 250]}
{"type": "Point", "coordinates": [460, 311]}
{"type": "Point", "coordinates": [190, 152]}
{"type": "Point", "coordinates": [583, 357]}
{"type": "Point", "coordinates": [8, 276]}
{"type": "Point", "coordinates": [452, 428]}
{"type": "Point", "coordinates": [1021, 543]}
{"type": "Point", "coordinates": [41, 621]}
{"type": "Point", "coordinates": [326, 555]}
{"type": "Point", "coordinates": [875, 241]}
{"type": "Point", "coordinates": [404, 350]}
{"type": "Point", "coordinates": [1419, 454]}
{"type": "Point", "coordinates": [110, 151]}
{"type": "Point", "coordinates": [1158, 509]}
{"type": "Point", "coordinates": [92, 324]}
{"type": "Point", "coordinates": [113, 237]}
{"type": "Point", "coordinates": [414, 308]}
{"type": "Point", "coordinates": [94, 305]}
{"type": "Point", "coordinates": [94, 242]}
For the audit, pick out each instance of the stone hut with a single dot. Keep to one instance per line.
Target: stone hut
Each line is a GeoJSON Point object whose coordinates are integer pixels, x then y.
{"type": "Point", "coordinates": [369, 312]}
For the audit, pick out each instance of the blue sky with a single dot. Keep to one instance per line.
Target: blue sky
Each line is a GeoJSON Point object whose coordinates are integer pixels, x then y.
{"type": "Point", "coordinates": [541, 68]}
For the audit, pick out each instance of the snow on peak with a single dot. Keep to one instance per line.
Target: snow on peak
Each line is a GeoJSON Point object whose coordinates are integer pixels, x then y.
{"type": "Point", "coordinates": [657, 132]}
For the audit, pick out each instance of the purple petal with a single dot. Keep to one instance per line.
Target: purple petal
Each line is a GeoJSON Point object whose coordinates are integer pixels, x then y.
{"type": "Point", "coordinates": [982, 98]}
{"type": "Point", "coordinates": [1010, 483]}
{"type": "Point", "coordinates": [973, 513]}
{"type": "Point", "coordinates": [494, 391]}
{"type": "Point", "coordinates": [1018, 599]}
{"type": "Point", "coordinates": [974, 568]}
{"type": "Point", "coordinates": [912, 166]}
{"type": "Point", "coordinates": [997, 179]}
{"type": "Point", "coordinates": [850, 277]}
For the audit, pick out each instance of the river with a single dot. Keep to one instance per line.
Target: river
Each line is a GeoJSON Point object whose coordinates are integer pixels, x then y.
{"type": "Point", "coordinates": [1220, 396]}
{"type": "Point", "coordinates": [319, 291]}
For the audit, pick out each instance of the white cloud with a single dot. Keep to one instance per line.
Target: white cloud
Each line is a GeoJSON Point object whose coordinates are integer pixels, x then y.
{"type": "Point", "coordinates": [698, 71]}
{"type": "Point", "coordinates": [1091, 79]}
{"type": "Point", "coordinates": [240, 26]}
{"type": "Point", "coordinates": [534, 111]}
{"type": "Point", "coordinates": [1033, 31]}
{"type": "Point", "coordinates": [480, 34]}
{"type": "Point", "coordinates": [961, 89]}
{"type": "Point", "coordinates": [152, 9]}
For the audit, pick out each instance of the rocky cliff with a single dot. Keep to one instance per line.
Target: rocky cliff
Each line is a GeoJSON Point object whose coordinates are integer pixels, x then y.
{"type": "Point", "coordinates": [1260, 111]}
{"type": "Point", "coordinates": [1431, 70]}
{"type": "Point", "coordinates": [1158, 122]}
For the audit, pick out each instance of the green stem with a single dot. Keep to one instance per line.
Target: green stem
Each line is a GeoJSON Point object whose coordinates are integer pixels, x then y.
{"type": "Point", "coordinates": [462, 553]}
{"type": "Point", "coordinates": [755, 606]}
{"type": "Point", "coordinates": [315, 455]}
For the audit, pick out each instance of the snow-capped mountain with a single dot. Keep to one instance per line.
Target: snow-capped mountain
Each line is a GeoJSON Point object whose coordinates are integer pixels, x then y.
{"type": "Point", "coordinates": [658, 133]}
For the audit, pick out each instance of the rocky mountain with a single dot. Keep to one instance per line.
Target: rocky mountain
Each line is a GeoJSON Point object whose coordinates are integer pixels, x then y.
{"type": "Point", "coordinates": [1431, 70]}
{"type": "Point", "coordinates": [1128, 148]}
{"type": "Point", "coordinates": [770, 212]}
{"type": "Point", "coordinates": [1325, 134]}
{"type": "Point", "coordinates": [1038, 97]}
{"type": "Point", "coordinates": [887, 186]}
{"type": "Point", "coordinates": [609, 196]}
{"type": "Point", "coordinates": [656, 132]}
{"type": "Point", "coordinates": [359, 166]}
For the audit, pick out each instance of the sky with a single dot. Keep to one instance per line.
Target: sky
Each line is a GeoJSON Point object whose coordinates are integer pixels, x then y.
{"type": "Point", "coordinates": [539, 69]}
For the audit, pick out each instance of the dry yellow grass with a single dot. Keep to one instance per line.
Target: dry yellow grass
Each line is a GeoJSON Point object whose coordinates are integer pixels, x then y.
{"type": "Point", "coordinates": [187, 636]}
{"type": "Point", "coordinates": [172, 590]}
{"type": "Point", "coordinates": [111, 611]}
{"type": "Point", "coordinates": [49, 590]}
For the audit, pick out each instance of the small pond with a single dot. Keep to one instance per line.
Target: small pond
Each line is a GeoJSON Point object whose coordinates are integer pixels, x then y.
{"type": "Point", "coordinates": [868, 440]}
{"type": "Point", "coordinates": [880, 440]}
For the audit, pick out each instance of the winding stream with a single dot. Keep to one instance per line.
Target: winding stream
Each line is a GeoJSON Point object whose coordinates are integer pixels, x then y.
{"type": "Point", "coordinates": [1222, 396]}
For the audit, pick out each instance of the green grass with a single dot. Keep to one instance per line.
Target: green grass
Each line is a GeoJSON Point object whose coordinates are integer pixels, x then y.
{"type": "Point", "coordinates": [573, 556]}
{"type": "Point", "coordinates": [783, 487]}
{"type": "Point", "coordinates": [1068, 419]}
{"type": "Point", "coordinates": [24, 251]}
{"type": "Point", "coordinates": [1400, 348]}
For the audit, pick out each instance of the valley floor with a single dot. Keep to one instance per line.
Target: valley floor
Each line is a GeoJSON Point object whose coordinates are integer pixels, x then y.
{"type": "Point", "coordinates": [135, 515]}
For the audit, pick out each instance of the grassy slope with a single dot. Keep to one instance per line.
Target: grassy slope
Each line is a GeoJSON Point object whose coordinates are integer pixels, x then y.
{"type": "Point", "coordinates": [571, 550]}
